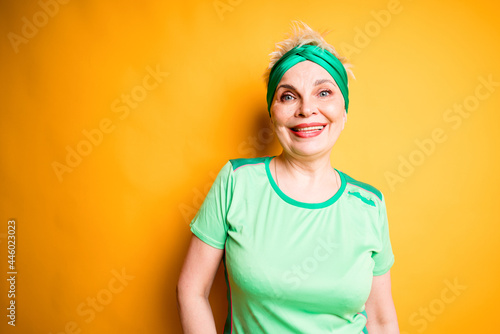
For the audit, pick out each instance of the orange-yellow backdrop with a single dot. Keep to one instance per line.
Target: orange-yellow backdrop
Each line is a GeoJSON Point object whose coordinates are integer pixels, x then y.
{"type": "Point", "coordinates": [117, 115]}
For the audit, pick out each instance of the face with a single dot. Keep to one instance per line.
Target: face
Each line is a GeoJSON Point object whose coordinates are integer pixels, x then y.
{"type": "Point", "coordinates": [308, 111]}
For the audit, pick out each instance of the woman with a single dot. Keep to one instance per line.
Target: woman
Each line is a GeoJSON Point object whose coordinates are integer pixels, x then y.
{"type": "Point", "coordinates": [305, 247]}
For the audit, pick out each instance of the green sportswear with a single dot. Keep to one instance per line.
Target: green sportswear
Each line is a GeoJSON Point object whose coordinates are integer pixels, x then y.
{"type": "Point", "coordinates": [290, 266]}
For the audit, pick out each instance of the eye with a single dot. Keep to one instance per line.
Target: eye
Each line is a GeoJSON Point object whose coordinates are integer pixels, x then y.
{"type": "Point", "coordinates": [325, 93]}
{"type": "Point", "coordinates": [286, 97]}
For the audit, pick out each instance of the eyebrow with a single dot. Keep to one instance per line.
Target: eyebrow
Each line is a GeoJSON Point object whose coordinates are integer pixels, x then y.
{"type": "Point", "coordinates": [320, 81]}
{"type": "Point", "coordinates": [316, 83]}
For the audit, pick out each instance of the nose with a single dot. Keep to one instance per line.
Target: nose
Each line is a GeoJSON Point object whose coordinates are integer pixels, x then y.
{"type": "Point", "coordinates": [306, 108]}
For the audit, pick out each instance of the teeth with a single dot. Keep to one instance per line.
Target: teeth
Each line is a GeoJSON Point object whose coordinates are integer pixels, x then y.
{"type": "Point", "coordinates": [310, 128]}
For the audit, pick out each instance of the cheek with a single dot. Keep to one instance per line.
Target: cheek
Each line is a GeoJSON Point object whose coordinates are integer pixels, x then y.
{"type": "Point", "coordinates": [337, 109]}
{"type": "Point", "coordinates": [279, 117]}
{"type": "Point", "coordinates": [335, 115]}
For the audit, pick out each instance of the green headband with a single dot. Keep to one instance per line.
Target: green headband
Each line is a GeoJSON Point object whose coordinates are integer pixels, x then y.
{"type": "Point", "coordinates": [315, 54]}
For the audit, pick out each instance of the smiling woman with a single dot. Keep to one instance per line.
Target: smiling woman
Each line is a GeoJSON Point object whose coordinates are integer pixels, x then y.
{"type": "Point", "coordinates": [306, 248]}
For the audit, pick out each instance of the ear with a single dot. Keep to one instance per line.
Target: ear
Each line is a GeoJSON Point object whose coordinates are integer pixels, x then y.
{"type": "Point", "coordinates": [345, 119]}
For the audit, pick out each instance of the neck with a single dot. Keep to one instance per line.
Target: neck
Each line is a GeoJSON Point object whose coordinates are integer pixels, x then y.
{"type": "Point", "coordinates": [309, 170]}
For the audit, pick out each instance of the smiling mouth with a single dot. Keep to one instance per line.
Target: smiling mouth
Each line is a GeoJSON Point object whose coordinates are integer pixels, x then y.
{"type": "Point", "coordinates": [309, 128]}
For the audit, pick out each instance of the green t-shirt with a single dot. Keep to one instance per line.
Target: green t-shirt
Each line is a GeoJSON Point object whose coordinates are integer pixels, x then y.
{"type": "Point", "coordinates": [290, 266]}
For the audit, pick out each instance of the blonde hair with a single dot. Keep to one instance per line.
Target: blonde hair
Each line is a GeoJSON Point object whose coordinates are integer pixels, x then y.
{"type": "Point", "coordinates": [302, 34]}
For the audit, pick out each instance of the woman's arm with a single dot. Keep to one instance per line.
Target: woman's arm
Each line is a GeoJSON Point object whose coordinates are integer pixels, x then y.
{"type": "Point", "coordinates": [382, 318]}
{"type": "Point", "coordinates": [193, 288]}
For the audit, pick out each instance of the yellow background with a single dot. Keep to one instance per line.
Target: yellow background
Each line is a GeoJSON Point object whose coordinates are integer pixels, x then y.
{"type": "Point", "coordinates": [127, 204]}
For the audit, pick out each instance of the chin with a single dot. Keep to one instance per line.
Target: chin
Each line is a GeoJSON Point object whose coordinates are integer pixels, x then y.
{"type": "Point", "coordinates": [310, 149]}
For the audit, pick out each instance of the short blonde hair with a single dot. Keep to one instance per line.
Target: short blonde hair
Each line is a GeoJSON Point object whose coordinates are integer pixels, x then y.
{"type": "Point", "coordinates": [302, 34]}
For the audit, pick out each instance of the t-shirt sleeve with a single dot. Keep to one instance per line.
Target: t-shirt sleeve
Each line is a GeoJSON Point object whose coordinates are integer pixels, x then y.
{"type": "Point", "coordinates": [209, 224]}
{"type": "Point", "coordinates": [384, 257]}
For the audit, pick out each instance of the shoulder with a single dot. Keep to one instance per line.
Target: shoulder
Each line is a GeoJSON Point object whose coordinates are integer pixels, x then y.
{"type": "Point", "coordinates": [239, 163]}
{"type": "Point", "coordinates": [364, 191]}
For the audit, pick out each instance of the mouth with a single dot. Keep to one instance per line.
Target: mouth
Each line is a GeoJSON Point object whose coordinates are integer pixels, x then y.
{"type": "Point", "coordinates": [306, 131]}
{"type": "Point", "coordinates": [309, 128]}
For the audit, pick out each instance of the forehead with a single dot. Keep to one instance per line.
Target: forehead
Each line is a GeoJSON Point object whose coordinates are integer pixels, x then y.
{"type": "Point", "coordinates": [306, 71]}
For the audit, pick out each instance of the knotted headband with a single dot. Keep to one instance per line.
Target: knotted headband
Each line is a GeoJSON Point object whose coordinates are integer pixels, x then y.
{"type": "Point", "coordinates": [324, 58]}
